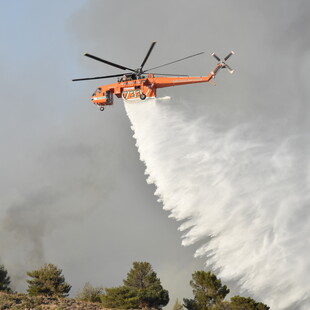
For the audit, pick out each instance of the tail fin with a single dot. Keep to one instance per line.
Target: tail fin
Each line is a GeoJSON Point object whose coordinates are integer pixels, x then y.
{"type": "Point", "coordinates": [222, 63]}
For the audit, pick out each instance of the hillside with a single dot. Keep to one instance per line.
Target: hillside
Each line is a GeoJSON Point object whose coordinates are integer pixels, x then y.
{"type": "Point", "coordinates": [26, 302]}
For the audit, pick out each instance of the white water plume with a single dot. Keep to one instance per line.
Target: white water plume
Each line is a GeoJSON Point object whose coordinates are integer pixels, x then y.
{"type": "Point", "coordinates": [242, 191]}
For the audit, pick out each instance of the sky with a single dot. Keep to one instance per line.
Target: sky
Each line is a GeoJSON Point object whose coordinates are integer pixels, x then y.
{"type": "Point", "coordinates": [73, 188]}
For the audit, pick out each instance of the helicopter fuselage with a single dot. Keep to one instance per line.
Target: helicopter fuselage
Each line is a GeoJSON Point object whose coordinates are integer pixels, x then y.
{"type": "Point", "coordinates": [145, 87]}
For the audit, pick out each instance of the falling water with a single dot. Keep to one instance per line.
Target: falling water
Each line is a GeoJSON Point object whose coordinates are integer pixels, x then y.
{"type": "Point", "coordinates": [241, 191]}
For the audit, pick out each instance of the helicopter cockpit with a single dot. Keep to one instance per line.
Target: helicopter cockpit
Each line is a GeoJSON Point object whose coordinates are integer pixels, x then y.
{"type": "Point", "coordinates": [97, 91]}
{"type": "Point", "coordinates": [102, 98]}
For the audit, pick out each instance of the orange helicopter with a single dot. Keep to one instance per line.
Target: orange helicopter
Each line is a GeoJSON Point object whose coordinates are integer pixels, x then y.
{"type": "Point", "coordinates": [139, 84]}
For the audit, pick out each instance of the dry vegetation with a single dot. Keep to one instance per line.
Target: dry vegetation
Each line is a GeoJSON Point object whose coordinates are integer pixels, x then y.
{"type": "Point", "coordinates": [19, 301]}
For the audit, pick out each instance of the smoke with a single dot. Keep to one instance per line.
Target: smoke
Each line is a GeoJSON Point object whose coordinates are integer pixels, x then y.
{"type": "Point", "coordinates": [53, 185]}
{"type": "Point", "coordinates": [242, 190]}
{"type": "Point", "coordinates": [67, 172]}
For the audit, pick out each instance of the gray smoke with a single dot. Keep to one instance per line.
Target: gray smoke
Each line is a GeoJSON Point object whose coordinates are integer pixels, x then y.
{"type": "Point", "coordinates": [59, 185]}
{"type": "Point", "coordinates": [67, 171]}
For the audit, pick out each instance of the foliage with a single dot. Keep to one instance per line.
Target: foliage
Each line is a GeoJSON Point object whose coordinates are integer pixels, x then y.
{"type": "Point", "coordinates": [142, 289]}
{"type": "Point", "coordinates": [207, 289]}
{"type": "Point", "coordinates": [243, 303]}
{"type": "Point", "coordinates": [209, 293]}
{"type": "Point", "coordinates": [224, 305]}
{"type": "Point", "coordinates": [147, 285]}
{"type": "Point", "coordinates": [90, 293]}
{"type": "Point", "coordinates": [141, 276]}
{"type": "Point", "coordinates": [177, 305]}
{"type": "Point", "coordinates": [120, 297]}
{"type": "Point", "coordinates": [190, 304]}
{"type": "Point", "coordinates": [4, 280]}
{"type": "Point", "coordinates": [47, 281]}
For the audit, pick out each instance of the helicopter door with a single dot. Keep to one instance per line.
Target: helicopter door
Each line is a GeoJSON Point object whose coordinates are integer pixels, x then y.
{"type": "Point", "coordinates": [109, 97]}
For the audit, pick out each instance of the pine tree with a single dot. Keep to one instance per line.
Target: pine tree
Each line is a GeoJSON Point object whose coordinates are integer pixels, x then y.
{"type": "Point", "coordinates": [238, 302]}
{"type": "Point", "coordinates": [209, 294]}
{"type": "Point", "coordinates": [4, 279]}
{"type": "Point", "coordinates": [142, 289]}
{"type": "Point", "coordinates": [208, 291]}
{"type": "Point", "coordinates": [48, 281]}
{"type": "Point", "coordinates": [120, 297]}
{"type": "Point", "coordinates": [145, 282]}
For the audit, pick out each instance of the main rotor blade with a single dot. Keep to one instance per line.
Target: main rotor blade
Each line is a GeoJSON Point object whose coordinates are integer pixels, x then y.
{"type": "Point", "coordinates": [170, 74]}
{"type": "Point", "coordinates": [148, 54]}
{"type": "Point", "coordinates": [169, 63]}
{"type": "Point", "coordinates": [108, 62]}
{"type": "Point", "coordinates": [98, 77]}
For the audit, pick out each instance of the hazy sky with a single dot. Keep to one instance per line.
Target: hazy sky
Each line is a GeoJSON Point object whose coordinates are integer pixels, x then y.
{"type": "Point", "coordinates": [73, 189]}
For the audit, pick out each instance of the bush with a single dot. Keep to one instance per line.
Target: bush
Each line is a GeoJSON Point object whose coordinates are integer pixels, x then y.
{"type": "Point", "coordinates": [90, 293]}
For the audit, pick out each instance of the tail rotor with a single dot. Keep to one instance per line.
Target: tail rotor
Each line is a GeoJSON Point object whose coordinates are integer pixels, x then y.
{"type": "Point", "coordinates": [230, 54]}
{"type": "Point", "coordinates": [223, 63]}
{"type": "Point", "coordinates": [230, 70]}
{"type": "Point", "coordinates": [216, 57]}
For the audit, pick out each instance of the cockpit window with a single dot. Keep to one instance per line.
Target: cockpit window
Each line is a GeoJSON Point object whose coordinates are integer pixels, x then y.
{"type": "Point", "coordinates": [98, 90]}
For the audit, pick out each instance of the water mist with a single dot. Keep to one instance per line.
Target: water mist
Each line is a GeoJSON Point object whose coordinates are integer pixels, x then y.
{"type": "Point", "coordinates": [242, 194]}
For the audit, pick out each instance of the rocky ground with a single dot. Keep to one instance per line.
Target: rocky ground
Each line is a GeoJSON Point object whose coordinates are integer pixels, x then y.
{"type": "Point", "coordinates": [26, 302]}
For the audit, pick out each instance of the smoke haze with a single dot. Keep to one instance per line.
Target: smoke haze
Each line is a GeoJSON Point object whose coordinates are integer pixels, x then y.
{"type": "Point", "coordinates": [73, 190]}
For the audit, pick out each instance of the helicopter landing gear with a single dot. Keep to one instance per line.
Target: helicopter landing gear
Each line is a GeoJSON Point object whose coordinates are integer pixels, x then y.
{"type": "Point", "coordinates": [142, 96]}
{"type": "Point", "coordinates": [101, 108]}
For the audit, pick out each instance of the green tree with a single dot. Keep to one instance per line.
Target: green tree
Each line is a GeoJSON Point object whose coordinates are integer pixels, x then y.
{"type": "Point", "coordinates": [142, 289]}
{"type": "Point", "coordinates": [243, 303]}
{"type": "Point", "coordinates": [190, 304]}
{"type": "Point", "coordinates": [47, 281]}
{"type": "Point", "coordinates": [120, 297]}
{"type": "Point", "coordinates": [208, 291]}
{"type": "Point", "coordinates": [224, 305]}
{"type": "Point", "coordinates": [4, 279]}
{"type": "Point", "coordinates": [90, 293]}
{"type": "Point", "coordinates": [143, 279]}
